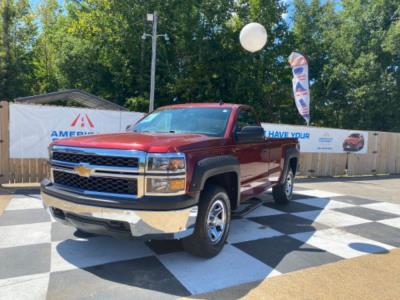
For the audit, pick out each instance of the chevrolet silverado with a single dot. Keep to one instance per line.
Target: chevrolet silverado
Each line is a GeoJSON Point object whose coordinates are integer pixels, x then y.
{"type": "Point", "coordinates": [180, 173]}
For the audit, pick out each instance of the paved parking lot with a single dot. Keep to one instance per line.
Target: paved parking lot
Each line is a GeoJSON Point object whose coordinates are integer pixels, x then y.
{"type": "Point", "coordinates": [40, 258]}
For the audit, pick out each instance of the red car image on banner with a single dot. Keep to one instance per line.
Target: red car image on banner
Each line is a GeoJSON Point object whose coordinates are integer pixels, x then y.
{"type": "Point", "coordinates": [354, 142]}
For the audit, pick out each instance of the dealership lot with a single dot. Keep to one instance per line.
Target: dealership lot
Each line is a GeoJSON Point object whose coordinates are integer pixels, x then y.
{"type": "Point", "coordinates": [39, 257]}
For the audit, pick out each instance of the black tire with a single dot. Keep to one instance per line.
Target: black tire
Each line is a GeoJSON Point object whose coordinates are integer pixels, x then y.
{"type": "Point", "coordinates": [200, 243]}
{"type": "Point", "coordinates": [283, 193]}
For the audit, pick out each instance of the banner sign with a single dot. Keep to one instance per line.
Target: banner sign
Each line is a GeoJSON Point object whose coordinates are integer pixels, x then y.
{"type": "Point", "coordinates": [301, 89]}
{"type": "Point", "coordinates": [321, 140]}
{"type": "Point", "coordinates": [34, 127]}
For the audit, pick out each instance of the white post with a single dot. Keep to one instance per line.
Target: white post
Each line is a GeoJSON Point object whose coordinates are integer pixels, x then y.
{"type": "Point", "coordinates": [153, 62]}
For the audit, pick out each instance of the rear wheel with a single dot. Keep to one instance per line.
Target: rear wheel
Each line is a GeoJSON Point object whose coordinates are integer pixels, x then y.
{"type": "Point", "coordinates": [212, 224]}
{"type": "Point", "coordinates": [283, 192]}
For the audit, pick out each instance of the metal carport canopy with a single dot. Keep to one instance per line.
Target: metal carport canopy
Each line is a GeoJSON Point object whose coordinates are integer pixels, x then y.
{"type": "Point", "coordinates": [84, 98]}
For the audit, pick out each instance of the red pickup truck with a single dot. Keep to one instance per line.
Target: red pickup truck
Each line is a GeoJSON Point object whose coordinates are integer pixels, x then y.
{"type": "Point", "coordinates": [179, 174]}
{"type": "Point", "coordinates": [354, 142]}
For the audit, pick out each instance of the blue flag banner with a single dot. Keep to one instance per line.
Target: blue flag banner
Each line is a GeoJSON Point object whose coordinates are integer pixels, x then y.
{"type": "Point", "coordinates": [301, 87]}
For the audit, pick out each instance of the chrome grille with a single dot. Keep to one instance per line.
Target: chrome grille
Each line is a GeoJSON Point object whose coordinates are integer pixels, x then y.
{"type": "Point", "coordinates": [96, 184]}
{"type": "Point", "coordinates": [110, 172]}
{"type": "Point", "coordinates": [114, 161]}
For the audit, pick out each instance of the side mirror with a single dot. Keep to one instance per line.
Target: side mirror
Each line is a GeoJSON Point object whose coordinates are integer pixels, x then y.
{"type": "Point", "coordinates": [250, 134]}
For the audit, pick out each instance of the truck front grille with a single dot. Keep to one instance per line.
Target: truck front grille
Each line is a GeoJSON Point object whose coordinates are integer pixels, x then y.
{"type": "Point", "coordinates": [114, 161]}
{"type": "Point", "coordinates": [96, 184]}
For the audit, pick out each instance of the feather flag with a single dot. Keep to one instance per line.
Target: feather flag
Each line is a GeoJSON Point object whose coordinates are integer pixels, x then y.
{"type": "Point", "coordinates": [301, 87]}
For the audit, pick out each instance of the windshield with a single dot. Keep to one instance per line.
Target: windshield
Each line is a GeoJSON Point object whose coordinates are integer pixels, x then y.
{"type": "Point", "coordinates": [201, 120]}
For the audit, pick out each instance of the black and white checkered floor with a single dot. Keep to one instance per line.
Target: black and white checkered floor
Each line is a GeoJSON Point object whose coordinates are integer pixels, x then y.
{"type": "Point", "coordinates": [40, 258]}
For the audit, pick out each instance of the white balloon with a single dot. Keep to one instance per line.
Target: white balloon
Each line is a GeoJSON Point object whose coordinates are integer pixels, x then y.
{"type": "Point", "coordinates": [253, 37]}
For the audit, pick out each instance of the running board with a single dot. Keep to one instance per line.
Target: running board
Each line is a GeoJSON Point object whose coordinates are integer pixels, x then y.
{"type": "Point", "coordinates": [246, 208]}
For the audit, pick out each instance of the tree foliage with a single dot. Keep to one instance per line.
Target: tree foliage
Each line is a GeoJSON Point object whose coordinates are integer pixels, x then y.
{"type": "Point", "coordinates": [96, 45]}
{"type": "Point", "coordinates": [354, 55]}
{"type": "Point", "coordinates": [18, 32]}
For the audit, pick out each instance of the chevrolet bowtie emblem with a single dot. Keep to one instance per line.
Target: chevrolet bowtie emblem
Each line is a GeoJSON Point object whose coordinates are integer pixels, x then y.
{"type": "Point", "coordinates": [83, 171]}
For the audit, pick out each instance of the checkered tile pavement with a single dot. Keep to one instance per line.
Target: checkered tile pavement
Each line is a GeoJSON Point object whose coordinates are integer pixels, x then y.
{"type": "Point", "coordinates": [40, 258]}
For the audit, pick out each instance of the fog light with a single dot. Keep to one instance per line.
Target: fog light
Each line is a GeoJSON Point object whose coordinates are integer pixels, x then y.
{"type": "Point", "coordinates": [165, 185]}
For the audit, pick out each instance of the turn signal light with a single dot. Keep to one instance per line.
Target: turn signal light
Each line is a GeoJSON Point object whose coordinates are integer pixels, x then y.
{"type": "Point", "coordinates": [177, 184]}
{"type": "Point", "coordinates": [165, 185]}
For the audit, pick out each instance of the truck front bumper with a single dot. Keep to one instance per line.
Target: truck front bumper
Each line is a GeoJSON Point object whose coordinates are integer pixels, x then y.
{"type": "Point", "coordinates": [118, 222]}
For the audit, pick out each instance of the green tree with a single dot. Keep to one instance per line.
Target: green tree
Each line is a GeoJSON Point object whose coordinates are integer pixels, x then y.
{"type": "Point", "coordinates": [353, 61]}
{"type": "Point", "coordinates": [47, 45]}
{"type": "Point", "coordinates": [96, 45]}
{"type": "Point", "coordinates": [103, 52]}
{"type": "Point", "coordinates": [18, 34]}
{"type": "Point", "coordinates": [139, 104]}
{"type": "Point", "coordinates": [312, 20]}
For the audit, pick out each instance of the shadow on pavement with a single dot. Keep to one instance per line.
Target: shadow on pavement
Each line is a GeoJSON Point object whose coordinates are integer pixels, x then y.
{"type": "Point", "coordinates": [368, 248]}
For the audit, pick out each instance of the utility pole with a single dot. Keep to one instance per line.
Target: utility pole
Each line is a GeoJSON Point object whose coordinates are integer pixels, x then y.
{"type": "Point", "coordinates": [153, 61]}
{"type": "Point", "coordinates": [153, 18]}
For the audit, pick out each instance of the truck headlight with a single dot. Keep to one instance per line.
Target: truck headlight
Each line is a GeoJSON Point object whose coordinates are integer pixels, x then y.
{"type": "Point", "coordinates": [165, 174]}
{"type": "Point", "coordinates": [165, 185]}
{"type": "Point", "coordinates": [165, 163]}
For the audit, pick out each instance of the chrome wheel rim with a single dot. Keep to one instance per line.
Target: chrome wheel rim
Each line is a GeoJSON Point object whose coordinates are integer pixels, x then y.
{"type": "Point", "coordinates": [216, 221]}
{"type": "Point", "coordinates": [289, 184]}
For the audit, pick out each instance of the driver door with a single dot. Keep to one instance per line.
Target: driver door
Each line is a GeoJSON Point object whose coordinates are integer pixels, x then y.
{"type": "Point", "coordinates": [253, 157]}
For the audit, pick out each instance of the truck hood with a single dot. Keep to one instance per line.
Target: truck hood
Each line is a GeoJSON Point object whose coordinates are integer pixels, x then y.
{"type": "Point", "coordinates": [149, 142]}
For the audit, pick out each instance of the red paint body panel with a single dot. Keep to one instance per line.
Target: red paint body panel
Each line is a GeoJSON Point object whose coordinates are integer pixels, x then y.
{"type": "Point", "coordinates": [261, 164]}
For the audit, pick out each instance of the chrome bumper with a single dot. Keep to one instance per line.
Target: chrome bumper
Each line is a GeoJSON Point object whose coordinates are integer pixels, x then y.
{"type": "Point", "coordinates": [174, 224]}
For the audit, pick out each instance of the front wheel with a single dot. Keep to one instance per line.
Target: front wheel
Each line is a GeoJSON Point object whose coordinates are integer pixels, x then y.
{"type": "Point", "coordinates": [283, 192]}
{"type": "Point", "coordinates": [212, 224]}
